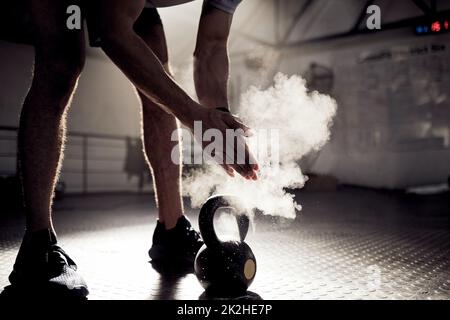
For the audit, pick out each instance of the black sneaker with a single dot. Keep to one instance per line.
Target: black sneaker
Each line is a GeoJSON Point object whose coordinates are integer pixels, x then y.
{"type": "Point", "coordinates": [179, 244]}
{"type": "Point", "coordinates": [41, 265]}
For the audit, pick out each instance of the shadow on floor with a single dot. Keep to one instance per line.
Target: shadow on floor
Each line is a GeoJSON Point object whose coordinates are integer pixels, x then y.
{"type": "Point", "coordinates": [170, 278]}
{"type": "Point", "coordinates": [45, 294]}
{"type": "Point", "coordinates": [248, 296]}
{"type": "Point", "coordinates": [170, 273]}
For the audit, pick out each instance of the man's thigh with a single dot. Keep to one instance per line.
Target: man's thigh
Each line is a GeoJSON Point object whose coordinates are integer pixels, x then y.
{"type": "Point", "coordinates": [54, 42]}
{"type": "Point", "coordinates": [49, 20]}
{"type": "Point", "coordinates": [15, 23]}
{"type": "Point", "coordinates": [110, 16]}
{"type": "Point", "coordinates": [36, 21]}
{"type": "Point", "coordinates": [150, 28]}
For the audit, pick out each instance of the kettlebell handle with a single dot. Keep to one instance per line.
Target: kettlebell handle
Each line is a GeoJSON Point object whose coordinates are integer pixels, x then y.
{"type": "Point", "coordinates": [206, 219]}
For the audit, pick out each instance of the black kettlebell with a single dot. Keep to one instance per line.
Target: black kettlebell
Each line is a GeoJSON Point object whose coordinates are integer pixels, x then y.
{"type": "Point", "coordinates": [224, 267]}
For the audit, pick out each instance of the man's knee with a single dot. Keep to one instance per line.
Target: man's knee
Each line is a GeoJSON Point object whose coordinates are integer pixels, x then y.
{"type": "Point", "coordinates": [62, 53]}
{"type": "Point", "coordinates": [64, 70]}
{"type": "Point", "coordinates": [56, 74]}
{"type": "Point", "coordinates": [68, 70]}
{"type": "Point", "coordinates": [70, 66]}
{"type": "Point", "coordinates": [113, 38]}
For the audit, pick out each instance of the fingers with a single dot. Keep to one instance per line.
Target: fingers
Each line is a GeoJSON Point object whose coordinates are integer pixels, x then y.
{"type": "Point", "coordinates": [246, 164]}
{"type": "Point", "coordinates": [229, 170]}
{"type": "Point", "coordinates": [236, 155]}
{"type": "Point", "coordinates": [236, 124]}
{"type": "Point", "coordinates": [243, 160]}
{"type": "Point", "coordinates": [242, 171]}
{"type": "Point", "coordinates": [251, 165]}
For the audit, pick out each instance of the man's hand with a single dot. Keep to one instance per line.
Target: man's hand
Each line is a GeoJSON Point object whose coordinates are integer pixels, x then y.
{"type": "Point", "coordinates": [211, 81]}
{"type": "Point", "coordinates": [228, 155]}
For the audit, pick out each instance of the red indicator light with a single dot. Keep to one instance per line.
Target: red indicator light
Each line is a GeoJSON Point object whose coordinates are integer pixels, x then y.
{"type": "Point", "coordinates": [436, 26]}
{"type": "Point", "coordinates": [446, 25]}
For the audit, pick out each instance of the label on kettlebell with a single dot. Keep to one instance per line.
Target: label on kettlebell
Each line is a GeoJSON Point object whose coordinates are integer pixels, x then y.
{"type": "Point", "coordinates": [249, 269]}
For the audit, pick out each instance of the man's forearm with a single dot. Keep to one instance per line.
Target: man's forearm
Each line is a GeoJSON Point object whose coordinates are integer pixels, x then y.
{"type": "Point", "coordinates": [146, 72]}
{"type": "Point", "coordinates": [211, 75]}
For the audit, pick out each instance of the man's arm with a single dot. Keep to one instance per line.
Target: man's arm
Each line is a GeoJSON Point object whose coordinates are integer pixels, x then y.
{"type": "Point", "coordinates": [211, 66]}
{"type": "Point", "coordinates": [138, 62]}
{"type": "Point", "coordinates": [115, 19]}
{"type": "Point", "coordinates": [211, 62]}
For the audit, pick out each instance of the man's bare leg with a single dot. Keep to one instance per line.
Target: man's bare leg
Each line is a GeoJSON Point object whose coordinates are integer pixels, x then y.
{"type": "Point", "coordinates": [59, 58]}
{"type": "Point", "coordinates": [157, 128]}
{"type": "Point", "coordinates": [175, 243]}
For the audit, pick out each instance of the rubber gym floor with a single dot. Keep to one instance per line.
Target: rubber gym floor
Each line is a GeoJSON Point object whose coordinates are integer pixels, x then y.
{"type": "Point", "coordinates": [349, 244]}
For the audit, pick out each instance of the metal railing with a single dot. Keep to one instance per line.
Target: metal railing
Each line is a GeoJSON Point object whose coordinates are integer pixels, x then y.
{"type": "Point", "coordinates": [82, 150]}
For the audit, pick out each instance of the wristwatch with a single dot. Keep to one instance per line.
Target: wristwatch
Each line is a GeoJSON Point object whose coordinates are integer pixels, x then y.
{"type": "Point", "coordinates": [224, 109]}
